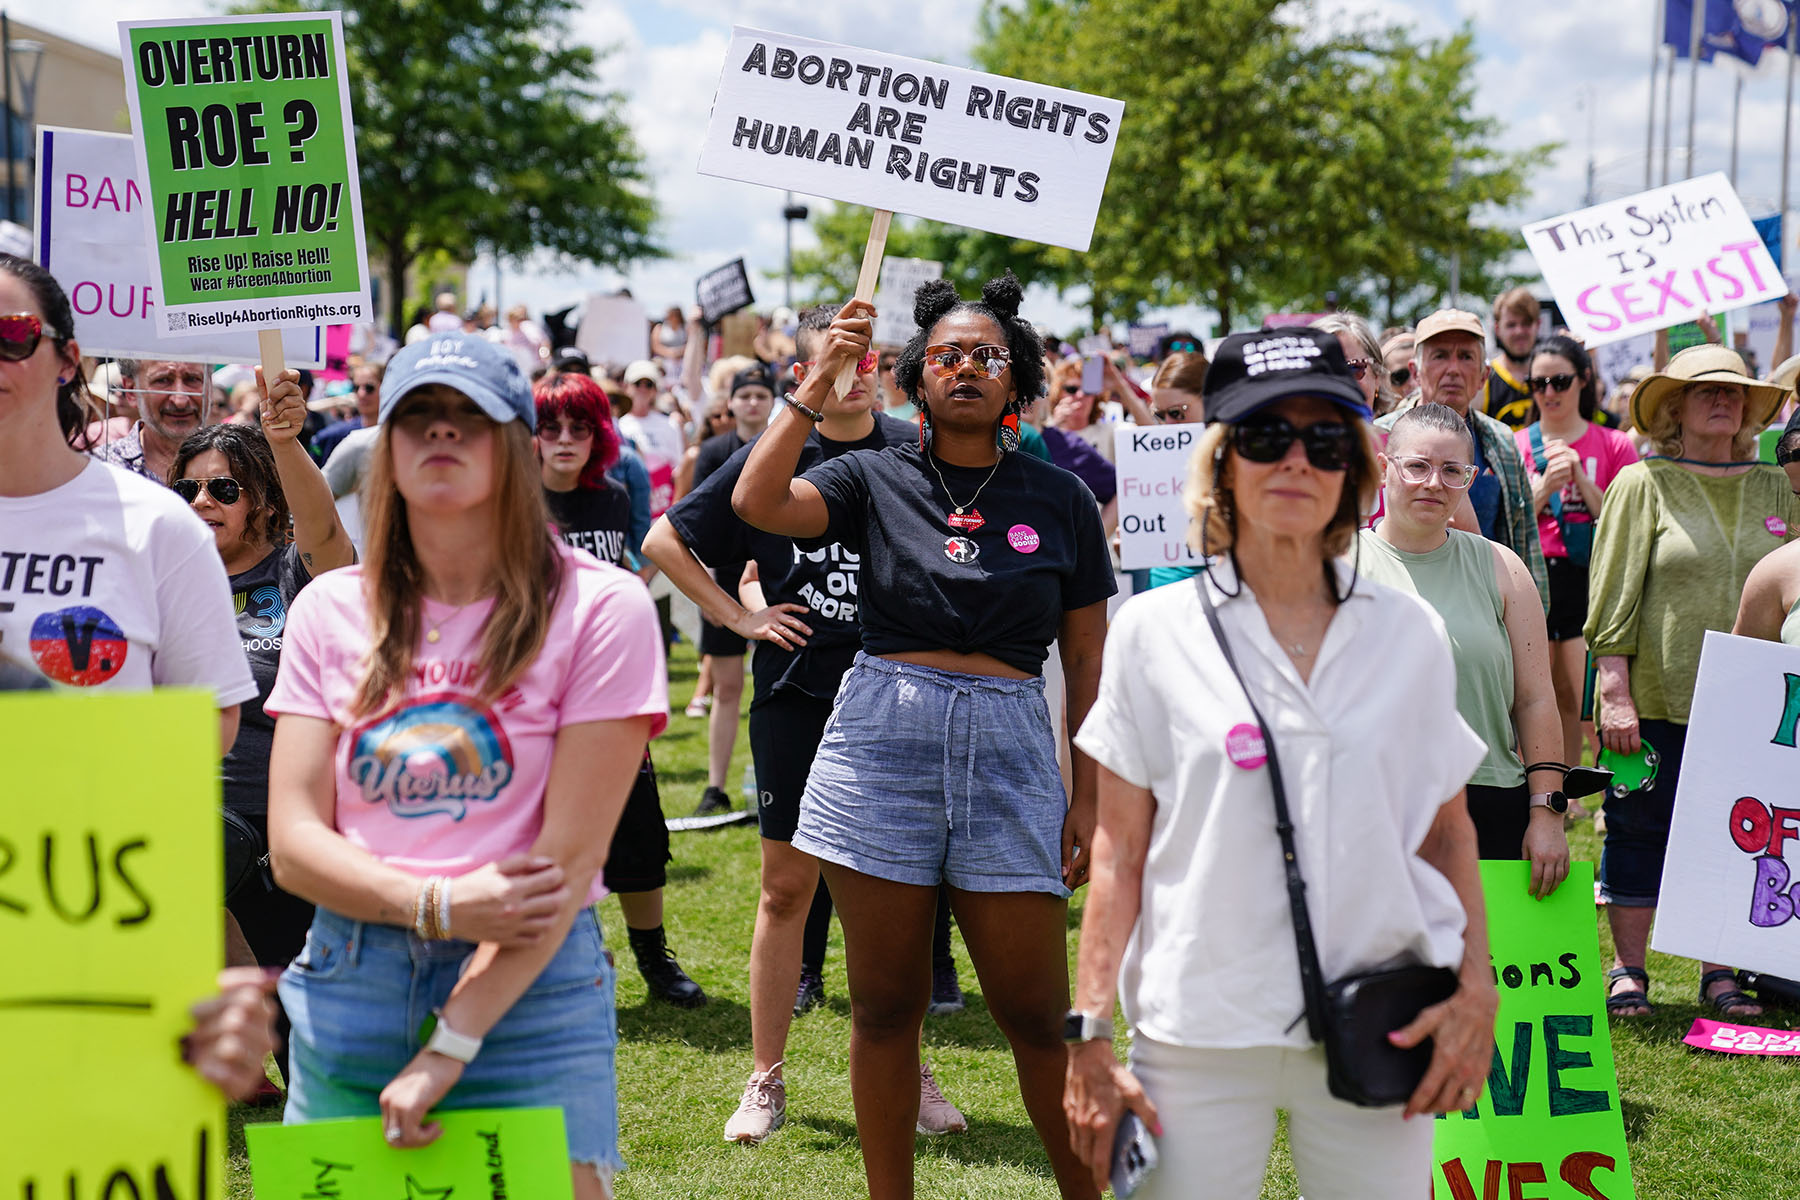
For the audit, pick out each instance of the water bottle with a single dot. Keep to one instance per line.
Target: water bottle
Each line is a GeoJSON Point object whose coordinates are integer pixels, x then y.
{"type": "Point", "coordinates": [749, 788]}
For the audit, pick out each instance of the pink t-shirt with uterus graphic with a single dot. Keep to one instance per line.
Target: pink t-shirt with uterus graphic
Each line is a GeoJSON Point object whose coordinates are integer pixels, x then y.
{"type": "Point", "coordinates": [441, 783]}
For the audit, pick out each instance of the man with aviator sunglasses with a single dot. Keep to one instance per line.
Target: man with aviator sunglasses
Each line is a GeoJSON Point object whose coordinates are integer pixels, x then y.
{"type": "Point", "coordinates": [174, 399]}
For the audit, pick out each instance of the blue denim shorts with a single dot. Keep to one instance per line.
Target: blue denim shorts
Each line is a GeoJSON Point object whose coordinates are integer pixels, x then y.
{"type": "Point", "coordinates": [358, 993]}
{"type": "Point", "coordinates": [927, 776]}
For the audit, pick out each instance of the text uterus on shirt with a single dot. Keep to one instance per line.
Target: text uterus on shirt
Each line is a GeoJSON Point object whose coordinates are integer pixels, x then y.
{"type": "Point", "coordinates": [435, 754]}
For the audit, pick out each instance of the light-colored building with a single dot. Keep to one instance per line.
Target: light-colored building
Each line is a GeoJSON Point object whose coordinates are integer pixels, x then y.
{"type": "Point", "coordinates": [53, 81]}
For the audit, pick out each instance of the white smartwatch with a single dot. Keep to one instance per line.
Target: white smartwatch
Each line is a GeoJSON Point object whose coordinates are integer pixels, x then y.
{"type": "Point", "coordinates": [446, 1041]}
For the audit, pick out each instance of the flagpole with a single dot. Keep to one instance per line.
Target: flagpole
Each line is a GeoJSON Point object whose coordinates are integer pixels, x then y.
{"type": "Point", "coordinates": [1668, 112]}
{"type": "Point", "coordinates": [1737, 104]}
{"type": "Point", "coordinates": [1787, 125]}
{"type": "Point", "coordinates": [1655, 61]}
{"type": "Point", "coordinates": [1698, 27]}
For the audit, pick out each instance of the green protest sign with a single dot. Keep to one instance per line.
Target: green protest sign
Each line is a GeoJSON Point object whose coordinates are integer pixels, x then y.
{"type": "Point", "coordinates": [247, 151]}
{"type": "Point", "coordinates": [489, 1153]}
{"type": "Point", "coordinates": [110, 929]}
{"type": "Point", "coordinates": [1547, 1127]}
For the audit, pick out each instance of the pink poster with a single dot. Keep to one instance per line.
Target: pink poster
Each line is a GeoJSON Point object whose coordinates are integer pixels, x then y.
{"type": "Point", "coordinates": [337, 351]}
{"type": "Point", "coordinates": [1742, 1039]}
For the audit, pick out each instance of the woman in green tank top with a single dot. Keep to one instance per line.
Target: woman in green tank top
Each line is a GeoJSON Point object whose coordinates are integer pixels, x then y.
{"type": "Point", "coordinates": [1494, 619]}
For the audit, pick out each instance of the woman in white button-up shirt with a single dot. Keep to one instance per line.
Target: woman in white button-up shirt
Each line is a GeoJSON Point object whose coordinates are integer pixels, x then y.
{"type": "Point", "coordinates": [1187, 914]}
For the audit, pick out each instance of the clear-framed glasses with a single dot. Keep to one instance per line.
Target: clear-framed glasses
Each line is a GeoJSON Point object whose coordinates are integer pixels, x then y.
{"type": "Point", "coordinates": [946, 361]}
{"type": "Point", "coordinates": [1415, 470]}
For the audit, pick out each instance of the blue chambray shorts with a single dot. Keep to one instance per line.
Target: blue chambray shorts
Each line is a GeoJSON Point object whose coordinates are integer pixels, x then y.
{"type": "Point", "coordinates": [358, 993]}
{"type": "Point", "coordinates": [928, 776]}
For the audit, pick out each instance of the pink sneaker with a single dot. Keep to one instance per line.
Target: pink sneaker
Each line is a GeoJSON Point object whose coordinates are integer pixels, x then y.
{"type": "Point", "coordinates": [762, 1110]}
{"type": "Point", "coordinates": [936, 1114]}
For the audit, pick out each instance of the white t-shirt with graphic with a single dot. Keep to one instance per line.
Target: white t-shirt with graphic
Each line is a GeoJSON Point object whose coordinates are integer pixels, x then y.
{"type": "Point", "coordinates": [111, 581]}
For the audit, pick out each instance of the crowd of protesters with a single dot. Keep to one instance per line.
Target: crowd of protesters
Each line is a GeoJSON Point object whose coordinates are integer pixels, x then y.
{"type": "Point", "coordinates": [432, 590]}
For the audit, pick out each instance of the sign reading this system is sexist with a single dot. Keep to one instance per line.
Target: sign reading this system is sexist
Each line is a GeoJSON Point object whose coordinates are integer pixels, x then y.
{"type": "Point", "coordinates": [246, 145]}
{"type": "Point", "coordinates": [110, 929]}
{"type": "Point", "coordinates": [1729, 893]}
{"type": "Point", "coordinates": [90, 235]}
{"type": "Point", "coordinates": [1654, 260]}
{"type": "Point", "coordinates": [1023, 159]}
{"type": "Point", "coordinates": [1153, 521]}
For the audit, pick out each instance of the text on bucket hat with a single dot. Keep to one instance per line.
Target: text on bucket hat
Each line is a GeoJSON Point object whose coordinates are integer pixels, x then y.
{"type": "Point", "coordinates": [1705, 364]}
{"type": "Point", "coordinates": [484, 371]}
{"type": "Point", "coordinates": [1250, 371]}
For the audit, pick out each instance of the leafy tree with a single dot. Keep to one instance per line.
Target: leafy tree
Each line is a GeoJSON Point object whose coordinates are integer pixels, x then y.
{"type": "Point", "coordinates": [480, 124]}
{"type": "Point", "coordinates": [1263, 162]}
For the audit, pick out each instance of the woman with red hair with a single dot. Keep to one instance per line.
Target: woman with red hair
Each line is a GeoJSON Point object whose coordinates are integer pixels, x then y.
{"type": "Point", "coordinates": [576, 443]}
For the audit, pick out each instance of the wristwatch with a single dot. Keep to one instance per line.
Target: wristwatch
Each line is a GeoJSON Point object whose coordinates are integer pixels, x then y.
{"type": "Point", "coordinates": [1556, 802]}
{"type": "Point", "coordinates": [439, 1038]}
{"type": "Point", "coordinates": [1081, 1027]}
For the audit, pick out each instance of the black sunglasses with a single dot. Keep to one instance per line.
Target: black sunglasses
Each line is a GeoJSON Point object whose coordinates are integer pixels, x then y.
{"type": "Point", "coordinates": [1398, 378]}
{"type": "Point", "coordinates": [222, 488]}
{"type": "Point", "coordinates": [1550, 383]}
{"type": "Point", "coordinates": [20, 334]}
{"type": "Point", "coordinates": [1266, 440]}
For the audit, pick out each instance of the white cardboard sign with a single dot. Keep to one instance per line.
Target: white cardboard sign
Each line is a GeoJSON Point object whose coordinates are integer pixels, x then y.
{"type": "Point", "coordinates": [1152, 467]}
{"type": "Point", "coordinates": [90, 234]}
{"type": "Point", "coordinates": [614, 331]}
{"type": "Point", "coordinates": [1653, 260]}
{"type": "Point", "coordinates": [900, 279]}
{"type": "Point", "coordinates": [1730, 893]}
{"type": "Point", "coordinates": [1005, 155]}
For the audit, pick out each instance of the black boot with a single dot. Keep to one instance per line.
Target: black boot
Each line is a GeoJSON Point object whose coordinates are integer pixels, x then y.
{"type": "Point", "coordinates": [662, 974]}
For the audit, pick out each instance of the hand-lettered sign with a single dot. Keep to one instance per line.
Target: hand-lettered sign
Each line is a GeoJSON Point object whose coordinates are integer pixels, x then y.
{"type": "Point", "coordinates": [1153, 520]}
{"type": "Point", "coordinates": [110, 928]}
{"type": "Point", "coordinates": [1023, 159]}
{"type": "Point", "coordinates": [90, 235]}
{"type": "Point", "coordinates": [901, 279]}
{"type": "Point", "coordinates": [1548, 1124]}
{"type": "Point", "coordinates": [1729, 893]}
{"type": "Point", "coordinates": [1654, 260]}
{"type": "Point", "coordinates": [246, 145]}
{"type": "Point", "coordinates": [518, 1152]}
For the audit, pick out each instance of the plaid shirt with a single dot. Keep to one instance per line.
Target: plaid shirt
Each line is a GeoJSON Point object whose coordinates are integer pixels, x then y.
{"type": "Point", "coordinates": [1517, 527]}
{"type": "Point", "coordinates": [127, 452]}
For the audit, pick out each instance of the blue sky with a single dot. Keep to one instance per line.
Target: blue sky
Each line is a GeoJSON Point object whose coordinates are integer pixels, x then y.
{"type": "Point", "coordinates": [1545, 66]}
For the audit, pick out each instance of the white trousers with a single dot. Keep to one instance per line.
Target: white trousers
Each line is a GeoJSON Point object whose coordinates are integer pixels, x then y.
{"type": "Point", "coordinates": [1218, 1119]}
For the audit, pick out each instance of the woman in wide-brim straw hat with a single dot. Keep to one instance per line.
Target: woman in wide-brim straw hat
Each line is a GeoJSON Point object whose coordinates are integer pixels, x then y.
{"type": "Point", "coordinates": [1677, 539]}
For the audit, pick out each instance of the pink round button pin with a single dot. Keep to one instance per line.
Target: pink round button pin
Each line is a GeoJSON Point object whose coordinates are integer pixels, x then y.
{"type": "Point", "coordinates": [1776, 526]}
{"type": "Point", "coordinates": [1244, 747]}
{"type": "Point", "coordinates": [1023, 538]}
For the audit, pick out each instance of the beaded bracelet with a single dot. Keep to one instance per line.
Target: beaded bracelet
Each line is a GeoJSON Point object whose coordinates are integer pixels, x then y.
{"type": "Point", "coordinates": [443, 908]}
{"type": "Point", "coordinates": [422, 908]}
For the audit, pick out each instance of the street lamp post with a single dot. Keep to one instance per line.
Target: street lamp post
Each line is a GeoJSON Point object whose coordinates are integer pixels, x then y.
{"type": "Point", "coordinates": [790, 212]}
{"type": "Point", "coordinates": [31, 58]}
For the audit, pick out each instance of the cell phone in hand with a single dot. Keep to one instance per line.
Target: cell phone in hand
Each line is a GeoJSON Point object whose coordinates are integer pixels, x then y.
{"type": "Point", "coordinates": [1093, 374]}
{"type": "Point", "coordinates": [1133, 1156]}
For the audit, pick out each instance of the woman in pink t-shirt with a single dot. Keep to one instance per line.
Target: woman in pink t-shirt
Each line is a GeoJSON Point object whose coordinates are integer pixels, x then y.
{"type": "Point", "coordinates": [460, 719]}
{"type": "Point", "coordinates": [1572, 461]}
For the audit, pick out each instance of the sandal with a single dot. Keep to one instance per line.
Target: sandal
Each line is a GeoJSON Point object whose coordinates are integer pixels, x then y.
{"type": "Point", "coordinates": [1729, 999]}
{"type": "Point", "coordinates": [1620, 1004]}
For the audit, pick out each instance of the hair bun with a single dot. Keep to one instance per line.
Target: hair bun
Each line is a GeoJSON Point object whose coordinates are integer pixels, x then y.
{"type": "Point", "coordinates": [932, 301]}
{"type": "Point", "coordinates": [1003, 295]}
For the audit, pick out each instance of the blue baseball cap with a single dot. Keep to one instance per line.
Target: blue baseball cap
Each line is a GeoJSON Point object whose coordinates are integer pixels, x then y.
{"type": "Point", "coordinates": [484, 372]}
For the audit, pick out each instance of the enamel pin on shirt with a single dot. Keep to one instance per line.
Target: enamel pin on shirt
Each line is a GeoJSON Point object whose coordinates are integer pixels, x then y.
{"type": "Point", "coordinates": [961, 550]}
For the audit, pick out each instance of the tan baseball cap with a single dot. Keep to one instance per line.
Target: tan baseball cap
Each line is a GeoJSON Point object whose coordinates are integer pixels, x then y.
{"type": "Point", "coordinates": [1448, 320]}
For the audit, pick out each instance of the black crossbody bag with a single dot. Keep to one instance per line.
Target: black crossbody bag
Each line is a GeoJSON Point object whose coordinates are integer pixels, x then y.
{"type": "Point", "coordinates": [1353, 1015]}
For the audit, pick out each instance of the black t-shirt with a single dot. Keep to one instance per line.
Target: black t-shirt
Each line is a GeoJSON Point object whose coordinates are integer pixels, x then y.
{"type": "Point", "coordinates": [596, 519]}
{"type": "Point", "coordinates": [1001, 588]}
{"type": "Point", "coordinates": [713, 453]}
{"type": "Point", "coordinates": [824, 577]}
{"type": "Point", "coordinates": [261, 597]}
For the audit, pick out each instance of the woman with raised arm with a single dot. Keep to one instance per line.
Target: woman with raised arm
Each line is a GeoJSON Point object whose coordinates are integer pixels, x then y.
{"type": "Point", "coordinates": [938, 763]}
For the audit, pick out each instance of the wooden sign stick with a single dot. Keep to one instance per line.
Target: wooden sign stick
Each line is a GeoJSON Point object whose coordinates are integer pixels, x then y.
{"type": "Point", "coordinates": [867, 278]}
{"type": "Point", "coordinates": [274, 362]}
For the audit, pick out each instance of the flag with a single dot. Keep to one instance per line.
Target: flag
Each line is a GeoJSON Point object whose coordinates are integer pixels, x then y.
{"type": "Point", "coordinates": [1743, 29]}
{"type": "Point", "coordinates": [1678, 22]}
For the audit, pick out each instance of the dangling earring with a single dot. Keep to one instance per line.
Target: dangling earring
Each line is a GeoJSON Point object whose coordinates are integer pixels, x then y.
{"type": "Point", "coordinates": [1008, 435]}
{"type": "Point", "coordinates": [924, 429]}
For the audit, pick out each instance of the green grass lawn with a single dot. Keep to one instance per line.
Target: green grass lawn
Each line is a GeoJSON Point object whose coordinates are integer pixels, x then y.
{"type": "Point", "coordinates": [1700, 1126]}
